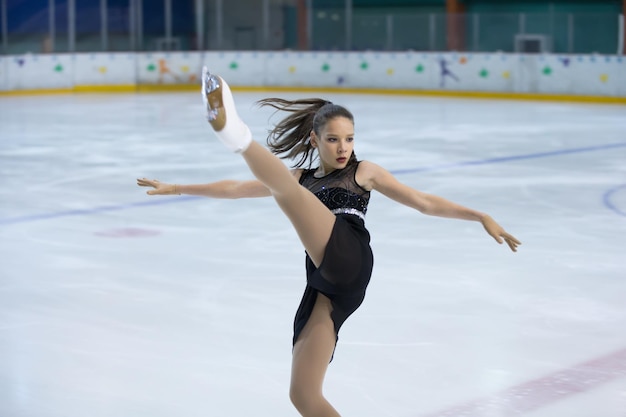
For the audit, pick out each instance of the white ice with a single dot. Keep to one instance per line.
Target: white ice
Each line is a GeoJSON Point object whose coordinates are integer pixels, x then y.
{"type": "Point", "coordinates": [114, 303]}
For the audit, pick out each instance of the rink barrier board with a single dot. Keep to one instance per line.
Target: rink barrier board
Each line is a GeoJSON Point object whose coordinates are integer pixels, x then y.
{"type": "Point", "coordinates": [450, 73]}
{"type": "Point", "coordinates": [588, 75]}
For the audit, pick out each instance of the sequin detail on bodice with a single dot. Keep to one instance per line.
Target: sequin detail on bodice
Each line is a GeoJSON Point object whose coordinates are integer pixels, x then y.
{"type": "Point", "coordinates": [338, 190]}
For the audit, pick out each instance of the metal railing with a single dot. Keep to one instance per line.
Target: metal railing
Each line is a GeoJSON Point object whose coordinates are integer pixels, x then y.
{"type": "Point", "coordinates": [187, 25]}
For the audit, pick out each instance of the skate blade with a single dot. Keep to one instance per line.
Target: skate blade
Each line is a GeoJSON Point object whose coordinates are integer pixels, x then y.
{"type": "Point", "coordinates": [216, 112]}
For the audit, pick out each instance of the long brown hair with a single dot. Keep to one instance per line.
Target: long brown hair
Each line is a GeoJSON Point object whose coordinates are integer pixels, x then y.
{"type": "Point", "coordinates": [290, 137]}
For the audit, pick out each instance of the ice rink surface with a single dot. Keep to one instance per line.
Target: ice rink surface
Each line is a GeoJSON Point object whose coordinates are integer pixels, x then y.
{"type": "Point", "coordinates": [118, 304]}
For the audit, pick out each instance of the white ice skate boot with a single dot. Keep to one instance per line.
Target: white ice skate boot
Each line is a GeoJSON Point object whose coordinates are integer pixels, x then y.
{"type": "Point", "coordinates": [221, 113]}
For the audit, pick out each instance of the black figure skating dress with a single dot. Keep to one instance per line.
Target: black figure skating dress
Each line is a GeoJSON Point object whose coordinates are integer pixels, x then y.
{"type": "Point", "coordinates": [346, 268]}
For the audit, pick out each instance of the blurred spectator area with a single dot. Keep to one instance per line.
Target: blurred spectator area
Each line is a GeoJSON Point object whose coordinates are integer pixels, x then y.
{"type": "Point", "coordinates": [559, 26]}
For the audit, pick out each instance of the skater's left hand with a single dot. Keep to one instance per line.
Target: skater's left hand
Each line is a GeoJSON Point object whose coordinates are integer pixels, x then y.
{"type": "Point", "coordinates": [499, 234]}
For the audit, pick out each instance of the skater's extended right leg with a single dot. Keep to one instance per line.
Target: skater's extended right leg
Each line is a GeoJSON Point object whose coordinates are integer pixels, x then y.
{"type": "Point", "coordinates": [311, 219]}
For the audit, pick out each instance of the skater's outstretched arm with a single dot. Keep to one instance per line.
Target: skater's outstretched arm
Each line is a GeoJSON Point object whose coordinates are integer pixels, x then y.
{"type": "Point", "coordinates": [229, 189]}
{"type": "Point", "coordinates": [374, 177]}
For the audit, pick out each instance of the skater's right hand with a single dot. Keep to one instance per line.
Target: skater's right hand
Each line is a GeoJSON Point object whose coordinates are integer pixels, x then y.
{"type": "Point", "coordinates": [160, 188]}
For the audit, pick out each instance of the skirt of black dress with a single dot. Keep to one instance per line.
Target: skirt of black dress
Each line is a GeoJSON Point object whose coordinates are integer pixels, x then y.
{"type": "Point", "coordinates": [342, 276]}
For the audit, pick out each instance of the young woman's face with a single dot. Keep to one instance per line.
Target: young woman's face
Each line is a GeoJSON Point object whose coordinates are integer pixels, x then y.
{"type": "Point", "coordinates": [334, 144]}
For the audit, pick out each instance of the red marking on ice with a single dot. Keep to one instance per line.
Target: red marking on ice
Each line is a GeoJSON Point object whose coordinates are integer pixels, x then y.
{"type": "Point", "coordinates": [537, 393]}
{"type": "Point", "coordinates": [128, 232]}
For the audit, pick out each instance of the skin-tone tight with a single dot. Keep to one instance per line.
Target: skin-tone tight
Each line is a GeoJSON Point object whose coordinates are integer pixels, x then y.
{"type": "Point", "coordinates": [313, 223]}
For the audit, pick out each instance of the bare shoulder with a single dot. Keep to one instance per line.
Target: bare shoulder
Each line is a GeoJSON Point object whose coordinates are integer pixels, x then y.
{"type": "Point", "coordinates": [377, 178]}
{"type": "Point", "coordinates": [367, 174]}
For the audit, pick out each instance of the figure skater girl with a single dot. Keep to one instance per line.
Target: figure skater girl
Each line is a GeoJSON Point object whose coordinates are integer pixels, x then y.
{"type": "Point", "coordinates": [326, 205]}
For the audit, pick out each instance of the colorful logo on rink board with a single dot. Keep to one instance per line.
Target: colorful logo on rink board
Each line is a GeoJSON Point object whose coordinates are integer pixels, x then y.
{"type": "Point", "coordinates": [165, 72]}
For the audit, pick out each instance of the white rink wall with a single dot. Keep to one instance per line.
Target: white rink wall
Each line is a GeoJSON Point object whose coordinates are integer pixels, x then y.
{"type": "Point", "coordinates": [586, 75]}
